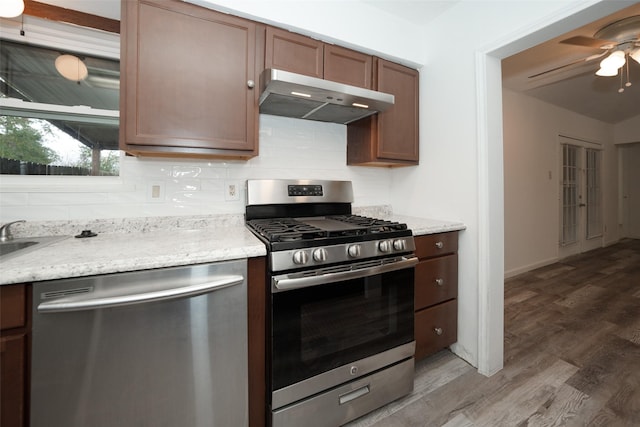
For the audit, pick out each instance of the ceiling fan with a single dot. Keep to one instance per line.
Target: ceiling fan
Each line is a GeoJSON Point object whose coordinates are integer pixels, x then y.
{"type": "Point", "coordinates": [617, 42]}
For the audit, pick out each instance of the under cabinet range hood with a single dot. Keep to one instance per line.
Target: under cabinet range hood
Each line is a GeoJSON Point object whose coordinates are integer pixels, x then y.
{"type": "Point", "coordinates": [295, 95]}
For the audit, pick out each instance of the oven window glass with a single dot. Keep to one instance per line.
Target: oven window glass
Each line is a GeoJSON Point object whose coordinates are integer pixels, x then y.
{"type": "Point", "coordinates": [320, 328]}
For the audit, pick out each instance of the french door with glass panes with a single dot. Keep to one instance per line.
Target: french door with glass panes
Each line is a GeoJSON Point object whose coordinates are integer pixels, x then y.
{"type": "Point", "coordinates": [580, 198]}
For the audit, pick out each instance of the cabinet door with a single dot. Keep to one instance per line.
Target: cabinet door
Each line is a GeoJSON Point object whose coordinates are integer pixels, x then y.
{"type": "Point", "coordinates": [13, 306]}
{"type": "Point", "coordinates": [398, 126]}
{"type": "Point", "coordinates": [14, 325]}
{"type": "Point", "coordinates": [293, 52]}
{"type": "Point", "coordinates": [12, 380]}
{"type": "Point", "coordinates": [187, 80]}
{"type": "Point", "coordinates": [389, 138]}
{"type": "Point", "coordinates": [436, 328]}
{"type": "Point", "coordinates": [347, 66]}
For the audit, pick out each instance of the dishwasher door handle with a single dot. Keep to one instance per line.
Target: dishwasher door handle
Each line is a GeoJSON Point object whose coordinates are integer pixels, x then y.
{"type": "Point", "coordinates": [89, 302]}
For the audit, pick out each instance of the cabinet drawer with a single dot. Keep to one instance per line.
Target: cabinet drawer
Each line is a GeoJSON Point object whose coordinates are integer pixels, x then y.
{"type": "Point", "coordinates": [433, 245]}
{"type": "Point", "coordinates": [436, 328]}
{"type": "Point", "coordinates": [436, 280]}
{"type": "Point", "coordinates": [12, 306]}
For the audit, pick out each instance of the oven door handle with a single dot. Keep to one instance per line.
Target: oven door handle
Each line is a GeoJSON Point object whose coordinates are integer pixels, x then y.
{"type": "Point", "coordinates": [286, 283]}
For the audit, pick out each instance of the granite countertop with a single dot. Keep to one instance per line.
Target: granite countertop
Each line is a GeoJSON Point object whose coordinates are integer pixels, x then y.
{"type": "Point", "coordinates": [422, 226]}
{"type": "Point", "coordinates": [146, 243]}
{"type": "Point", "coordinates": [128, 246]}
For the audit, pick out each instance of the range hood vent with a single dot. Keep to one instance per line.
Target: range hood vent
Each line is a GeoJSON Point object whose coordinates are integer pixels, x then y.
{"type": "Point", "coordinates": [303, 97]}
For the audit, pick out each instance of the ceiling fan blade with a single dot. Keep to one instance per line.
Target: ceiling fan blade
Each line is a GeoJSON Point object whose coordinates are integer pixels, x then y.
{"type": "Point", "coordinates": [588, 42]}
{"type": "Point", "coordinates": [587, 59]}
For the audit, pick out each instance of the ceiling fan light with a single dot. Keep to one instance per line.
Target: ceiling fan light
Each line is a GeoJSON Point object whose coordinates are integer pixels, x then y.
{"type": "Point", "coordinates": [11, 8]}
{"type": "Point", "coordinates": [615, 60]}
{"type": "Point", "coordinates": [71, 67]}
{"type": "Point", "coordinates": [636, 55]}
{"type": "Point", "coordinates": [607, 72]}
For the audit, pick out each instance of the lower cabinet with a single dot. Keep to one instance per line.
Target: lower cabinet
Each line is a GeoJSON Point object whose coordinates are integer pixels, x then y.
{"type": "Point", "coordinates": [436, 292]}
{"type": "Point", "coordinates": [14, 352]}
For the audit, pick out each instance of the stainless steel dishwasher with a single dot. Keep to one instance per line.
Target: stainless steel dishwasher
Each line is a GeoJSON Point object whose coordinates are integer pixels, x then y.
{"type": "Point", "coordinates": [165, 347]}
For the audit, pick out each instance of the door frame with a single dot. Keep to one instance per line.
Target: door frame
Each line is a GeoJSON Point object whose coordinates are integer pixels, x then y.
{"type": "Point", "coordinates": [490, 240]}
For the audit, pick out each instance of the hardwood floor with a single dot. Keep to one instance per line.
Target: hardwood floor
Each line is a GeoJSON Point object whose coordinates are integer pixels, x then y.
{"type": "Point", "coordinates": [572, 354]}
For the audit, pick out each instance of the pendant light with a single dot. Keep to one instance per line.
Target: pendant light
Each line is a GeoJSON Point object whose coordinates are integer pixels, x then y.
{"type": "Point", "coordinates": [71, 67]}
{"type": "Point", "coordinates": [11, 8]}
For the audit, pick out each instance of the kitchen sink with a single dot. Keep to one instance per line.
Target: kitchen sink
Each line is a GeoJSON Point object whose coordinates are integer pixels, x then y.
{"type": "Point", "coordinates": [24, 245]}
{"type": "Point", "coordinates": [10, 247]}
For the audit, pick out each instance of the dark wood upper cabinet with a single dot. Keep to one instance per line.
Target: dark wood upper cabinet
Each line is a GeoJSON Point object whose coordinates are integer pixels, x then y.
{"type": "Point", "coordinates": [189, 81]}
{"type": "Point", "coordinates": [190, 85]}
{"type": "Point", "coordinates": [389, 138]}
{"type": "Point", "coordinates": [347, 66]}
{"type": "Point", "coordinates": [300, 54]}
{"type": "Point", "coordinates": [293, 52]}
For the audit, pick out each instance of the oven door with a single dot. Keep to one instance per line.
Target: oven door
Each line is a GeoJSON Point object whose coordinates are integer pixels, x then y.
{"type": "Point", "coordinates": [336, 324]}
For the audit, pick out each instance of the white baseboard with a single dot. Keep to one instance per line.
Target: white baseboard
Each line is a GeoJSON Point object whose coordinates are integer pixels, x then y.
{"type": "Point", "coordinates": [519, 270]}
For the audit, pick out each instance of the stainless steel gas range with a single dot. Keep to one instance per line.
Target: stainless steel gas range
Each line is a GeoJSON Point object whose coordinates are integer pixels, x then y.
{"type": "Point", "coordinates": [340, 316]}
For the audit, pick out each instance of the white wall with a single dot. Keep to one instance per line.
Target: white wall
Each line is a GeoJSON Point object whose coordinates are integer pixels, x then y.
{"type": "Point", "coordinates": [627, 136]}
{"type": "Point", "coordinates": [289, 148]}
{"type": "Point", "coordinates": [627, 131]}
{"type": "Point", "coordinates": [630, 189]}
{"type": "Point", "coordinates": [350, 23]}
{"type": "Point", "coordinates": [531, 170]}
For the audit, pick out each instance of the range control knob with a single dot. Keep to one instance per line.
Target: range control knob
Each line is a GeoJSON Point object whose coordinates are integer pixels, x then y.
{"type": "Point", "coordinates": [399, 245]}
{"type": "Point", "coordinates": [320, 255]}
{"type": "Point", "coordinates": [354, 251]}
{"type": "Point", "coordinates": [385, 246]}
{"type": "Point", "coordinates": [300, 257]}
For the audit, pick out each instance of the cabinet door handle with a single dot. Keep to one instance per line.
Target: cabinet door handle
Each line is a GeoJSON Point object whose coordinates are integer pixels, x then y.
{"type": "Point", "coordinates": [250, 84]}
{"type": "Point", "coordinates": [438, 331]}
{"type": "Point", "coordinates": [439, 282]}
{"type": "Point", "coordinates": [439, 245]}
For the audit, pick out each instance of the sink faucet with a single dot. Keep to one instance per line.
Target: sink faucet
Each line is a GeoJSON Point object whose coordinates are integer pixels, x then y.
{"type": "Point", "coordinates": [5, 231]}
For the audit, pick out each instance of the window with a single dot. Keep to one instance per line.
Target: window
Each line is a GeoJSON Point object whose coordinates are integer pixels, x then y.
{"type": "Point", "coordinates": [49, 124]}
{"type": "Point", "coordinates": [570, 194]}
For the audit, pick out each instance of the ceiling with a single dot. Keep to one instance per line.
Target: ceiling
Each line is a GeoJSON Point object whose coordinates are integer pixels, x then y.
{"type": "Point", "coordinates": [575, 88]}
{"type": "Point", "coordinates": [418, 12]}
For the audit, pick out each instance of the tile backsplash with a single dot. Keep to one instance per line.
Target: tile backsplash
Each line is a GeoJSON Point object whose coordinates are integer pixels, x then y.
{"type": "Point", "coordinates": [289, 148]}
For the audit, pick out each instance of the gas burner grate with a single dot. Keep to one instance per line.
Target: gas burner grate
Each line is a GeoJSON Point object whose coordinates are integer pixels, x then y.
{"type": "Point", "coordinates": [290, 229]}
{"type": "Point", "coordinates": [285, 229]}
{"type": "Point", "coordinates": [372, 225]}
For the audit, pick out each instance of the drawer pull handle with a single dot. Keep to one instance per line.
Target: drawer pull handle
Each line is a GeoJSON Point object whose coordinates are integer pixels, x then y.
{"type": "Point", "coordinates": [439, 282]}
{"type": "Point", "coordinates": [438, 331]}
{"type": "Point", "coordinates": [439, 245]}
{"type": "Point", "coordinates": [352, 395]}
